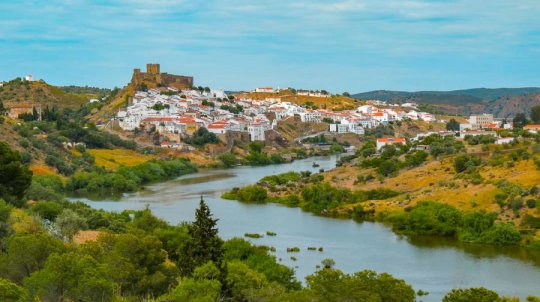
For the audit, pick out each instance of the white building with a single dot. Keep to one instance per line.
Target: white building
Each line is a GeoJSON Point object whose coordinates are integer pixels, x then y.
{"type": "Point", "coordinates": [310, 116]}
{"type": "Point", "coordinates": [532, 128]}
{"type": "Point", "coordinates": [265, 89]}
{"type": "Point", "coordinates": [504, 140]}
{"type": "Point", "coordinates": [256, 132]}
{"type": "Point", "coordinates": [220, 127]}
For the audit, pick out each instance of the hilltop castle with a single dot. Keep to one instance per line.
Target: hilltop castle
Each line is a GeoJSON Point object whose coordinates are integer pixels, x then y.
{"type": "Point", "coordinates": [154, 78]}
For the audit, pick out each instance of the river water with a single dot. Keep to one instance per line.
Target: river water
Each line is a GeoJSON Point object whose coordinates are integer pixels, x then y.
{"type": "Point", "coordinates": [432, 265]}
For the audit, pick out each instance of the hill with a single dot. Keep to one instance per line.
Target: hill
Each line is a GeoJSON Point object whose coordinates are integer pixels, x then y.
{"type": "Point", "coordinates": [502, 102]}
{"type": "Point", "coordinates": [454, 97]}
{"type": "Point", "coordinates": [40, 93]}
{"type": "Point", "coordinates": [510, 105]}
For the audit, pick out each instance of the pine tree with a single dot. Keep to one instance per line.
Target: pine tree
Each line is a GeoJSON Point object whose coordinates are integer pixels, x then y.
{"type": "Point", "coordinates": [205, 245]}
{"type": "Point", "coordinates": [15, 178]}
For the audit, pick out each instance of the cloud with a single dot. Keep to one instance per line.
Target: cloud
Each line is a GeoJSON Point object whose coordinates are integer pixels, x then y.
{"type": "Point", "coordinates": [366, 35]}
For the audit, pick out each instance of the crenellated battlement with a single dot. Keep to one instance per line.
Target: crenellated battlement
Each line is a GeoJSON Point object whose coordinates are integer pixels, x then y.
{"type": "Point", "coordinates": [154, 78]}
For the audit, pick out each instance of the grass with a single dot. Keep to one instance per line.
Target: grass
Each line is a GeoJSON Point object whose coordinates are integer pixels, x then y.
{"type": "Point", "coordinates": [114, 158]}
{"type": "Point", "coordinates": [436, 180]}
{"type": "Point", "coordinates": [42, 170]}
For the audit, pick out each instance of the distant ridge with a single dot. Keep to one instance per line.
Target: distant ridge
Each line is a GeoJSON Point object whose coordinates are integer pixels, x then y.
{"type": "Point", "coordinates": [453, 97]}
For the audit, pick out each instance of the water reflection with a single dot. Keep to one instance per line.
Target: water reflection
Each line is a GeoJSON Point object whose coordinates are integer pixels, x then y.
{"type": "Point", "coordinates": [476, 250]}
{"type": "Point", "coordinates": [205, 178]}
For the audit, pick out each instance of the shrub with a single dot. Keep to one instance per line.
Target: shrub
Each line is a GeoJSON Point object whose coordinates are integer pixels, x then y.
{"type": "Point", "coordinates": [430, 218]}
{"type": "Point", "coordinates": [228, 159]}
{"type": "Point", "coordinates": [465, 162]}
{"type": "Point", "coordinates": [251, 193]}
{"type": "Point", "coordinates": [202, 137]}
{"type": "Point", "coordinates": [501, 234]}
{"type": "Point", "coordinates": [471, 295]}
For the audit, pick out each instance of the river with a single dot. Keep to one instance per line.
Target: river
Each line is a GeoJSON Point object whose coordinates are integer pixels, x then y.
{"type": "Point", "coordinates": [431, 265]}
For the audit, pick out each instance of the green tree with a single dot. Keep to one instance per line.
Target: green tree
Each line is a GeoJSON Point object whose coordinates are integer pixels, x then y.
{"type": "Point", "coordinates": [501, 234]}
{"type": "Point", "coordinates": [5, 228]}
{"type": "Point", "coordinates": [333, 285]}
{"type": "Point", "coordinates": [26, 254]}
{"type": "Point", "coordinates": [452, 125]}
{"type": "Point", "coordinates": [47, 209]}
{"type": "Point", "coordinates": [243, 280]}
{"type": "Point", "coordinates": [70, 277]}
{"type": "Point", "coordinates": [259, 260]}
{"type": "Point", "coordinates": [194, 290]}
{"type": "Point", "coordinates": [202, 137]}
{"type": "Point", "coordinates": [136, 262]}
{"type": "Point", "coordinates": [465, 162]}
{"type": "Point", "coordinates": [535, 114]}
{"type": "Point", "coordinates": [228, 159]}
{"type": "Point", "coordinates": [204, 286]}
{"type": "Point", "coordinates": [69, 223]}
{"type": "Point", "coordinates": [430, 218]}
{"type": "Point", "coordinates": [11, 292]}
{"type": "Point", "coordinates": [15, 178]}
{"type": "Point", "coordinates": [205, 245]}
{"type": "Point", "coordinates": [478, 294]}
{"type": "Point", "coordinates": [520, 120]}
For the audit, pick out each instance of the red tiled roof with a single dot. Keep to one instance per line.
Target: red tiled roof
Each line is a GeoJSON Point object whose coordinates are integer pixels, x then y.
{"type": "Point", "coordinates": [391, 140]}
{"type": "Point", "coordinates": [216, 126]}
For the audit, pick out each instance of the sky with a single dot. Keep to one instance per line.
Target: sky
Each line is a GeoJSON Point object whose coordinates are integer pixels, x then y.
{"type": "Point", "coordinates": [339, 46]}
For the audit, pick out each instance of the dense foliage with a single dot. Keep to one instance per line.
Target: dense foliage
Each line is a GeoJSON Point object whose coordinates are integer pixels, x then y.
{"type": "Point", "coordinates": [127, 179]}
{"type": "Point", "coordinates": [15, 178]}
{"type": "Point", "coordinates": [433, 218]}
{"type": "Point", "coordinates": [314, 196]}
{"type": "Point", "coordinates": [135, 256]}
{"type": "Point", "coordinates": [257, 157]}
{"type": "Point", "coordinates": [201, 137]}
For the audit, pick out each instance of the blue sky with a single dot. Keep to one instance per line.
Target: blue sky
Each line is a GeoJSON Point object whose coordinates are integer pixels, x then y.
{"type": "Point", "coordinates": [235, 44]}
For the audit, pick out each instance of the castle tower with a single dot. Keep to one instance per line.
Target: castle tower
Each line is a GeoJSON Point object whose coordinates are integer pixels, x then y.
{"type": "Point", "coordinates": [152, 68]}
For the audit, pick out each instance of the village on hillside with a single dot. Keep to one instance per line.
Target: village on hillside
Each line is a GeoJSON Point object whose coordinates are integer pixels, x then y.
{"type": "Point", "coordinates": [171, 107]}
{"type": "Point", "coordinates": [174, 112]}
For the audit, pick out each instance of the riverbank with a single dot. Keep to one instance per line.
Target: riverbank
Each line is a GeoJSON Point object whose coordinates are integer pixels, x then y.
{"type": "Point", "coordinates": [310, 193]}
{"type": "Point", "coordinates": [436, 267]}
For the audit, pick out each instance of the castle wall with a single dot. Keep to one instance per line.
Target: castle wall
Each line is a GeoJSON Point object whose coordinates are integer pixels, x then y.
{"type": "Point", "coordinates": [153, 76]}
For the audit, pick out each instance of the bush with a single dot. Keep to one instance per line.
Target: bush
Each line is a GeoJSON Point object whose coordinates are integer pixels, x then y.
{"type": "Point", "coordinates": [11, 292]}
{"type": "Point", "coordinates": [501, 234]}
{"type": "Point", "coordinates": [281, 179]}
{"type": "Point", "coordinates": [465, 162]}
{"type": "Point", "coordinates": [471, 295]}
{"type": "Point", "coordinates": [127, 179]}
{"type": "Point", "coordinates": [228, 159]}
{"type": "Point", "coordinates": [430, 218]}
{"type": "Point", "coordinates": [416, 159]}
{"type": "Point", "coordinates": [47, 209]}
{"type": "Point", "coordinates": [202, 137]}
{"type": "Point", "coordinates": [251, 193]}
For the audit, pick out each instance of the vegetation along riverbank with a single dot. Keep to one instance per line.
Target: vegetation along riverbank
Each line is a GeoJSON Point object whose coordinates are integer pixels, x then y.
{"type": "Point", "coordinates": [438, 186]}
{"type": "Point", "coordinates": [55, 250]}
